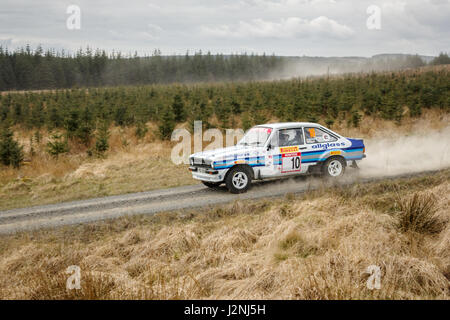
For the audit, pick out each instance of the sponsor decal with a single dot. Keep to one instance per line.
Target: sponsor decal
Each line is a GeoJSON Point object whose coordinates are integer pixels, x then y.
{"type": "Point", "coordinates": [328, 145]}
{"type": "Point", "coordinates": [335, 153]}
{"type": "Point", "coordinates": [239, 162]}
{"type": "Point", "coordinates": [288, 149]}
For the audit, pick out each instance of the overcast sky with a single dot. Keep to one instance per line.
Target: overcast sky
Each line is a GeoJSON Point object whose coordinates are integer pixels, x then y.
{"type": "Point", "coordinates": [283, 27]}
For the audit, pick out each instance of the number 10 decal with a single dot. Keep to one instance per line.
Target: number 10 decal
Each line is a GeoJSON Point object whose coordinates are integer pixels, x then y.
{"type": "Point", "coordinates": [291, 162]}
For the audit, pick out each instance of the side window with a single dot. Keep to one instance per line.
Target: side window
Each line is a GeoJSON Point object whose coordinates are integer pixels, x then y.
{"type": "Point", "coordinates": [290, 137]}
{"type": "Point", "coordinates": [316, 135]}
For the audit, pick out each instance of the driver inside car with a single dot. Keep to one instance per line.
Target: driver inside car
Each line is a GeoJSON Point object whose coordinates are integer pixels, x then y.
{"type": "Point", "coordinates": [284, 139]}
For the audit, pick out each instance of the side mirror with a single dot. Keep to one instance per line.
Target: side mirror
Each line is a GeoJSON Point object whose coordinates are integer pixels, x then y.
{"type": "Point", "coordinates": [269, 146]}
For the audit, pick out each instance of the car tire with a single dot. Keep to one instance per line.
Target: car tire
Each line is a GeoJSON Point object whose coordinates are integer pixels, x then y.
{"type": "Point", "coordinates": [238, 180]}
{"type": "Point", "coordinates": [212, 185]}
{"type": "Point", "coordinates": [334, 167]}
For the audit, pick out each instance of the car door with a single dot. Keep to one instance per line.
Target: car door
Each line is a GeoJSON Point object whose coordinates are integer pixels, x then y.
{"type": "Point", "coordinates": [284, 156]}
{"type": "Point", "coordinates": [318, 143]}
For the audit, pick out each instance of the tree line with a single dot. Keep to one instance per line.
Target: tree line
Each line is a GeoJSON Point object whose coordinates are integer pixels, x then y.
{"type": "Point", "coordinates": [27, 69]}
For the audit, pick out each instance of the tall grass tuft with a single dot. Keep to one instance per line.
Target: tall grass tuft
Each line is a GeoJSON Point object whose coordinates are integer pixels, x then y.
{"type": "Point", "coordinates": [418, 214]}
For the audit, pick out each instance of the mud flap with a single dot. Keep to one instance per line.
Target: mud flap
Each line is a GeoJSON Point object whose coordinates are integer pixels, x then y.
{"type": "Point", "coordinates": [354, 165]}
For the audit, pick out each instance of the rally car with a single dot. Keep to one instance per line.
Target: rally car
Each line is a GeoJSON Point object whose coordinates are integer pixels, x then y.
{"type": "Point", "coordinates": [276, 150]}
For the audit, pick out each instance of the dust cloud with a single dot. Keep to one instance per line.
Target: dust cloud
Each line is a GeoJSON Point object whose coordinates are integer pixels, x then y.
{"type": "Point", "coordinates": [305, 67]}
{"type": "Point", "coordinates": [406, 154]}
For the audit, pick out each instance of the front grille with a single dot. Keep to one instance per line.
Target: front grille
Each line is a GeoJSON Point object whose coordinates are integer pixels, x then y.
{"type": "Point", "coordinates": [202, 166]}
{"type": "Point", "coordinates": [202, 163]}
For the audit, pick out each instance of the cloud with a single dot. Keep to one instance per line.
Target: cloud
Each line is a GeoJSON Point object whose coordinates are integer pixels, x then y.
{"type": "Point", "coordinates": [292, 27]}
{"type": "Point", "coordinates": [325, 27]}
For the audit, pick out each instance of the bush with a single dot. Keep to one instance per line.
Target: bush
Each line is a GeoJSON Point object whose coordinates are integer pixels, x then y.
{"type": "Point", "coordinates": [11, 153]}
{"type": "Point", "coordinates": [57, 145]}
{"type": "Point", "coordinates": [141, 130]}
{"type": "Point", "coordinates": [356, 118]}
{"type": "Point", "coordinates": [418, 214]}
{"type": "Point", "coordinates": [167, 123]}
{"type": "Point", "coordinates": [102, 140]}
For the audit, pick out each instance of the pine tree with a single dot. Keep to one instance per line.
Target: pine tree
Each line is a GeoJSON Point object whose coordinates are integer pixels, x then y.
{"type": "Point", "coordinates": [85, 127]}
{"type": "Point", "coordinates": [11, 152]}
{"type": "Point", "coordinates": [102, 138]}
{"type": "Point", "coordinates": [167, 123]}
{"type": "Point", "coordinates": [443, 58]}
{"type": "Point", "coordinates": [235, 106]}
{"type": "Point", "coordinates": [414, 109]}
{"type": "Point", "coordinates": [57, 145]}
{"type": "Point", "coordinates": [178, 108]}
{"type": "Point", "coordinates": [72, 123]}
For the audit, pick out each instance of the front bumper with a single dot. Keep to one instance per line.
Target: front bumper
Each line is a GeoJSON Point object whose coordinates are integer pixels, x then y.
{"type": "Point", "coordinates": [209, 175]}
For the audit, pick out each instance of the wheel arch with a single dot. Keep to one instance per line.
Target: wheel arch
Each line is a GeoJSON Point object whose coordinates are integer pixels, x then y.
{"type": "Point", "coordinates": [335, 157]}
{"type": "Point", "coordinates": [241, 165]}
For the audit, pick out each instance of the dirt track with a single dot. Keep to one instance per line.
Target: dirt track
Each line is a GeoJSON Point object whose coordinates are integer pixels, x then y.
{"type": "Point", "coordinates": [179, 198]}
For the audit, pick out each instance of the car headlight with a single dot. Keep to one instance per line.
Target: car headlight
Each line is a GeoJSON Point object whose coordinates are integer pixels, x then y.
{"type": "Point", "coordinates": [191, 161]}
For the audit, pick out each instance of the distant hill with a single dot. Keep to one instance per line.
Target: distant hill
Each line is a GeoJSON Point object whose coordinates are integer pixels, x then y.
{"type": "Point", "coordinates": [426, 59]}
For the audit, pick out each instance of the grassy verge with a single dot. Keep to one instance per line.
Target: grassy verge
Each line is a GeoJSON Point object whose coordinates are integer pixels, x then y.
{"type": "Point", "coordinates": [312, 246]}
{"type": "Point", "coordinates": [146, 166]}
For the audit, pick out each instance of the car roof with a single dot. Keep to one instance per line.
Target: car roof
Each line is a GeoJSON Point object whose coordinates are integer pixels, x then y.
{"type": "Point", "coordinates": [287, 125]}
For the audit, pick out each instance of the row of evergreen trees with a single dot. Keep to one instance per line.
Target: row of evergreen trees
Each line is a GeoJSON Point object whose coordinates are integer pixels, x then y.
{"type": "Point", "coordinates": [25, 69]}
{"type": "Point", "coordinates": [79, 110]}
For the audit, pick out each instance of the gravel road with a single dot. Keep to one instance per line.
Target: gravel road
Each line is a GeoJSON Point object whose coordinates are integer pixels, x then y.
{"type": "Point", "coordinates": [151, 202]}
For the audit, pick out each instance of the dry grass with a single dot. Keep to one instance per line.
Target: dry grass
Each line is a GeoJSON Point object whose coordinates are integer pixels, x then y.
{"type": "Point", "coordinates": [312, 246]}
{"type": "Point", "coordinates": [418, 214]}
{"type": "Point", "coordinates": [130, 166]}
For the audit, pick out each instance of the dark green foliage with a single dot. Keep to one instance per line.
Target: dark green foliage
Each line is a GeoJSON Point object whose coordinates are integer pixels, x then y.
{"type": "Point", "coordinates": [329, 122]}
{"type": "Point", "coordinates": [415, 109]}
{"type": "Point", "coordinates": [246, 122]}
{"type": "Point", "coordinates": [443, 58]}
{"type": "Point", "coordinates": [57, 145]}
{"type": "Point", "coordinates": [24, 69]}
{"type": "Point", "coordinates": [11, 153]}
{"type": "Point", "coordinates": [167, 123]}
{"type": "Point", "coordinates": [72, 123]}
{"type": "Point", "coordinates": [178, 108]}
{"type": "Point", "coordinates": [386, 95]}
{"type": "Point", "coordinates": [102, 138]}
{"type": "Point", "coordinates": [356, 118]}
{"type": "Point", "coordinates": [141, 130]}
{"type": "Point", "coordinates": [85, 127]}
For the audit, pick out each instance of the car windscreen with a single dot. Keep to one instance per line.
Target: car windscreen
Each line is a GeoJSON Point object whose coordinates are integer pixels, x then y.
{"type": "Point", "coordinates": [256, 136]}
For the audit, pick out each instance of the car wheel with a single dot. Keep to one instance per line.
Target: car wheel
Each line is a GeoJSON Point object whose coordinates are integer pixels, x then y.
{"type": "Point", "coordinates": [211, 185]}
{"type": "Point", "coordinates": [334, 167]}
{"type": "Point", "coordinates": [238, 180]}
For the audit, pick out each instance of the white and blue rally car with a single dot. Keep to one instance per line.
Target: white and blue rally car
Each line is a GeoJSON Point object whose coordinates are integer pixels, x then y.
{"type": "Point", "coordinates": [276, 150]}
